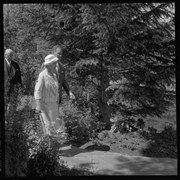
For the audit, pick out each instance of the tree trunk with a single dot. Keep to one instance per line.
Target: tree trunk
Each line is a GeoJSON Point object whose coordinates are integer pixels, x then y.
{"type": "Point", "coordinates": [104, 109]}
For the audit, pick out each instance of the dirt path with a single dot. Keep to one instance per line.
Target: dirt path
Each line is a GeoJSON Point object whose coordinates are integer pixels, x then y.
{"type": "Point", "coordinates": [111, 163]}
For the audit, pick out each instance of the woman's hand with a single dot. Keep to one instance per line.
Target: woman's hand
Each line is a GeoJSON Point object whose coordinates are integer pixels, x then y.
{"type": "Point", "coordinates": [71, 95]}
{"type": "Point", "coordinates": [38, 106]}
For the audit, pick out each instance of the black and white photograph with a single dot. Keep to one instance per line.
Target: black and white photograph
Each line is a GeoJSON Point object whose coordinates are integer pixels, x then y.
{"type": "Point", "coordinates": [89, 89]}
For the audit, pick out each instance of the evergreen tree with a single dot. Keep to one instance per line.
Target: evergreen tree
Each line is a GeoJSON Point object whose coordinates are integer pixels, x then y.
{"type": "Point", "coordinates": [123, 53]}
{"type": "Point", "coordinates": [133, 44]}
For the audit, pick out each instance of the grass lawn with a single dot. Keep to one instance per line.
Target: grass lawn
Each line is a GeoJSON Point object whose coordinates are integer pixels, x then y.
{"type": "Point", "coordinates": [169, 118]}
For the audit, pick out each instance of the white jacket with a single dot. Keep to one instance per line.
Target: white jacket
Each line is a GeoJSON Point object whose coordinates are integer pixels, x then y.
{"type": "Point", "coordinates": [46, 88]}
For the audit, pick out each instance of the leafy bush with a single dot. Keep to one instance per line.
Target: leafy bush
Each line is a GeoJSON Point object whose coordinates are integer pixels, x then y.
{"type": "Point", "coordinates": [162, 144]}
{"type": "Point", "coordinates": [22, 134]}
{"type": "Point", "coordinates": [45, 162]}
{"type": "Point", "coordinates": [34, 131]}
{"type": "Point", "coordinates": [16, 149]}
{"type": "Point", "coordinates": [81, 125]}
{"type": "Point", "coordinates": [27, 153]}
{"type": "Point", "coordinates": [127, 124]}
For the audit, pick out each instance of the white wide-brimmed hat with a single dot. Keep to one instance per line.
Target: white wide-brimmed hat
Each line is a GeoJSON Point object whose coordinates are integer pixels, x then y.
{"type": "Point", "coordinates": [49, 59]}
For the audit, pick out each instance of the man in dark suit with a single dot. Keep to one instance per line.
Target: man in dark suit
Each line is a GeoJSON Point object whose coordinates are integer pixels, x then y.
{"type": "Point", "coordinates": [60, 70]}
{"type": "Point", "coordinates": [14, 75]}
{"type": "Point", "coordinates": [57, 51]}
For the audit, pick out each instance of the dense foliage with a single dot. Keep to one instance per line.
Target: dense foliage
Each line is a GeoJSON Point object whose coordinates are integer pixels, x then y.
{"type": "Point", "coordinates": [81, 125]}
{"type": "Point", "coordinates": [126, 125]}
{"type": "Point", "coordinates": [27, 152]}
{"type": "Point", "coordinates": [163, 144]}
{"type": "Point", "coordinates": [124, 54]}
{"type": "Point", "coordinates": [46, 163]}
{"type": "Point", "coordinates": [16, 147]}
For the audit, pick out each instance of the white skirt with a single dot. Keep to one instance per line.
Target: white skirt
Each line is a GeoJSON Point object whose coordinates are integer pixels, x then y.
{"type": "Point", "coordinates": [52, 125]}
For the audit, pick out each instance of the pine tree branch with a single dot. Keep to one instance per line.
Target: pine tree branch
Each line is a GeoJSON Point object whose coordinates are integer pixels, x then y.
{"type": "Point", "coordinates": [164, 59]}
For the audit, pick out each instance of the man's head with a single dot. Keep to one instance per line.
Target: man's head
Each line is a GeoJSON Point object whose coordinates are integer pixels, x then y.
{"type": "Point", "coordinates": [57, 51]}
{"type": "Point", "coordinates": [9, 55]}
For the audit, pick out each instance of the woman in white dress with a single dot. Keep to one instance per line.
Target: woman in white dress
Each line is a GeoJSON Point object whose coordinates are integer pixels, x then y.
{"type": "Point", "coordinates": [47, 96]}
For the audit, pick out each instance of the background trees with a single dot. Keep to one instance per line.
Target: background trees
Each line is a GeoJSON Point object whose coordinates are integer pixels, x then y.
{"type": "Point", "coordinates": [120, 57]}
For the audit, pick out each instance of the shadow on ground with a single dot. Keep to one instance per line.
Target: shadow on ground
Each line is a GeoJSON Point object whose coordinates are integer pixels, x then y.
{"type": "Point", "coordinates": [98, 147]}
{"type": "Point", "coordinates": [71, 149]}
{"type": "Point", "coordinates": [142, 166]}
{"type": "Point", "coordinates": [115, 164]}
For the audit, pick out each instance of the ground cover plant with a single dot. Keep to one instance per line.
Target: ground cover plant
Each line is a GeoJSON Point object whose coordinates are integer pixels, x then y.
{"type": "Point", "coordinates": [147, 143]}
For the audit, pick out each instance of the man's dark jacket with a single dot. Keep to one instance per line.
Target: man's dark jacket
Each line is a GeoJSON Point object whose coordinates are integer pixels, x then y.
{"type": "Point", "coordinates": [16, 78]}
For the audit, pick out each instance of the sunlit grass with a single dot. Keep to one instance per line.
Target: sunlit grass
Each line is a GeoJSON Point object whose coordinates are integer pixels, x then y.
{"type": "Point", "coordinates": [168, 118]}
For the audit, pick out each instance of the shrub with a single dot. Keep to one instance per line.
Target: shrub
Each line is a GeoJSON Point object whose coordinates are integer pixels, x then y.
{"type": "Point", "coordinates": [81, 125]}
{"type": "Point", "coordinates": [34, 131]}
{"type": "Point", "coordinates": [45, 162]}
{"type": "Point", "coordinates": [27, 153]}
{"type": "Point", "coordinates": [162, 144]}
{"type": "Point", "coordinates": [127, 124]}
{"type": "Point", "coordinates": [16, 149]}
